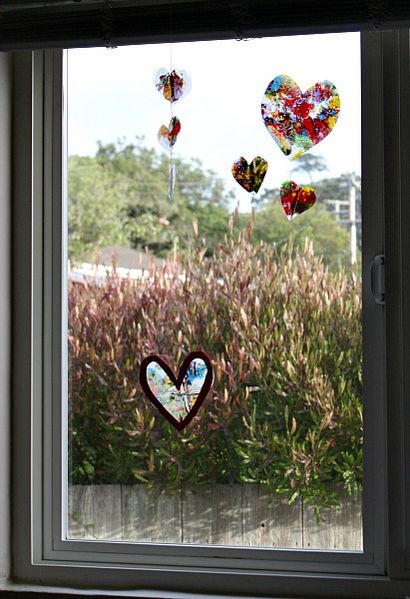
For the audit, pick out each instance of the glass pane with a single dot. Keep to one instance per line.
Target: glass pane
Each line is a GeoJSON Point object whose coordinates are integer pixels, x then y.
{"type": "Point", "coordinates": [273, 455]}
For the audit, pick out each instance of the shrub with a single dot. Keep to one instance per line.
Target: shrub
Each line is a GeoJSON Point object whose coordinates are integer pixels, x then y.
{"type": "Point", "coordinates": [284, 334]}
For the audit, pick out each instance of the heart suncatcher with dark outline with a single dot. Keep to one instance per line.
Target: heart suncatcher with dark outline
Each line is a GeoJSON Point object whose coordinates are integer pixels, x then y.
{"type": "Point", "coordinates": [177, 382]}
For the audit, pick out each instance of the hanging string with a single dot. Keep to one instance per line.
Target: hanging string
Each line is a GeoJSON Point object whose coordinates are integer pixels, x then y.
{"type": "Point", "coordinates": [172, 177]}
{"type": "Point", "coordinates": [172, 169]}
{"type": "Point", "coordinates": [241, 16]}
{"type": "Point", "coordinates": [170, 52]}
{"type": "Point", "coordinates": [172, 85]}
{"type": "Point", "coordinates": [107, 20]}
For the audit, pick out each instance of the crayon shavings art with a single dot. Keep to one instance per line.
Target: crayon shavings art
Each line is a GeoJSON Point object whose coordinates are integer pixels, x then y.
{"type": "Point", "coordinates": [167, 136]}
{"type": "Point", "coordinates": [296, 199]}
{"type": "Point", "coordinates": [172, 85]}
{"type": "Point", "coordinates": [178, 402]}
{"type": "Point", "coordinates": [250, 176]}
{"type": "Point", "coordinates": [298, 121]}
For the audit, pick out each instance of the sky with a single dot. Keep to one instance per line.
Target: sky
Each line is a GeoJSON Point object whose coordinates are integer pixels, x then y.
{"type": "Point", "coordinates": [112, 95]}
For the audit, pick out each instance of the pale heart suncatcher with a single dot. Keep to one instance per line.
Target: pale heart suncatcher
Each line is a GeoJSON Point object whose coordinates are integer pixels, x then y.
{"type": "Point", "coordinates": [298, 121]}
{"type": "Point", "coordinates": [172, 85]}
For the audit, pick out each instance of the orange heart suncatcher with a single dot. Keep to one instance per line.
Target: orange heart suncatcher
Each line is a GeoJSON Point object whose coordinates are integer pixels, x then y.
{"type": "Point", "coordinates": [250, 176]}
{"type": "Point", "coordinates": [177, 397]}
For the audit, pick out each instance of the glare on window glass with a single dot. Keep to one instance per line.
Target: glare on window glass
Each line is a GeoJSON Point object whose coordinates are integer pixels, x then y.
{"type": "Point", "coordinates": [214, 293]}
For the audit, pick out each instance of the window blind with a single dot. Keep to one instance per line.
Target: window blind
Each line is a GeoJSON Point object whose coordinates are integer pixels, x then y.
{"type": "Point", "coordinates": [74, 23]}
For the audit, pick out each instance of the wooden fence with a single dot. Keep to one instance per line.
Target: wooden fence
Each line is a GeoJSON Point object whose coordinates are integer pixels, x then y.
{"type": "Point", "coordinates": [223, 515]}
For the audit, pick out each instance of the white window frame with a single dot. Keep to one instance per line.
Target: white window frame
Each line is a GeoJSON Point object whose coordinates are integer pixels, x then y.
{"type": "Point", "coordinates": [40, 552]}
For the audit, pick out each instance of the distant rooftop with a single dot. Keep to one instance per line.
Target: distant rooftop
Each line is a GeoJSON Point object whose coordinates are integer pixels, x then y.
{"type": "Point", "coordinates": [126, 257]}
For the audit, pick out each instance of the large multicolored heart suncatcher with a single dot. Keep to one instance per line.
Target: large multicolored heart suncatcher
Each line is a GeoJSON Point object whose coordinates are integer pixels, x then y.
{"type": "Point", "coordinates": [177, 398]}
{"type": "Point", "coordinates": [298, 121]}
{"type": "Point", "coordinates": [250, 176]}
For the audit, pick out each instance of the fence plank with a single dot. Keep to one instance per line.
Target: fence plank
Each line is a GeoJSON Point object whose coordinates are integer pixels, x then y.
{"type": "Point", "coordinates": [341, 527]}
{"type": "Point", "coordinates": [79, 512]}
{"type": "Point", "coordinates": [213, 516]}
{"type": "Point", "coordinates": [197, 515]}
{"type": "Point", "coordinates": [95, 512]}
{"type": "Point", "coordinates": [227, 515]}
{"type": "Point", "coordinates": [270, 525]}
{"type": "Point", "coordinates": [151, 516]}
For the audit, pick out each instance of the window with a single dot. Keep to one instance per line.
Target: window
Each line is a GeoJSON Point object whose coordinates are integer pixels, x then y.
{"type": "Point", "coordinates": [275, 425]}
{"type": "Point", "coordinates": [215, 568]}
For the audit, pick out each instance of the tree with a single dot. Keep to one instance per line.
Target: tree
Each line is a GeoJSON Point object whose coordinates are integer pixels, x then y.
{"type": "Point", "coordinates": [120, 197]}
{"type": "Point", "coordinates": [329, 239]}
{"type": "Point", "coordinates": [93, 208]}
{"type": "Point", "coordinates": [337, 189]}
{"type": "Point", "coordinates": [309, 164]}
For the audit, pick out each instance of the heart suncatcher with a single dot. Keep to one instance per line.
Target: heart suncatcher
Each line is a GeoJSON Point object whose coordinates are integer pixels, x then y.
{"type": "Point", "coordinates": [298, 121]}
{"type": "Point", "coordinates": [296, 199]}
{"type": "Point", "coordinates": [177, 398]}
{"type": "Point", "coordinates": [167, 136]}
{"type": "Point", "coordinates": [172, 85]}
{"type": "Point", "coordinates": [250, 176]}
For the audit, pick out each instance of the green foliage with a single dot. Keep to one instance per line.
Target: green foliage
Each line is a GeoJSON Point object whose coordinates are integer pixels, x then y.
{"type": "Point", "coordinates": [120, 197]}
{"type": "Point", "coordinates": [93, 208]}
{"type": "Point", "coordinates": [309, 164]}
{"type": "Point", "coordinates": [330, 240]}
{"type": "Point", "coordinates": [284, 334]}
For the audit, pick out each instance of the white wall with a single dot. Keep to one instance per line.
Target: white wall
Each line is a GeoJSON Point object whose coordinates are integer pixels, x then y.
{"type": "Point", "coordinates": [5, 201]}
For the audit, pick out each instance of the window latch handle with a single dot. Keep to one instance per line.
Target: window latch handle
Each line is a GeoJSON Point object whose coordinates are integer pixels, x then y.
{"type": "Point", "coordinates": [377, 281]}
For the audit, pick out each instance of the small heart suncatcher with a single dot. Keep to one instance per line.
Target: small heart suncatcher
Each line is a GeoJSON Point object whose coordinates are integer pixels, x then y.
{"type": "Point", "coordinates": [172, 85]}
{"type": "Point", "coordinates": [296, 199]}
{"type": "Point", "coordinates": [177, 397]}
{"type": "Point", "coordinates": [250, 176]}
{"type": "Point", "coordinates": [167, 136]}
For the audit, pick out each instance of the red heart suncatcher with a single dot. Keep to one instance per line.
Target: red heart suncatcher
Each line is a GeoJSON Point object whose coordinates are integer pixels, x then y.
{"type": "Point", "coordinates": [167, 136]}
{"type": "Point", "coordinates": [296, 199]}
{"type": "Point", "coordinates": [177, 398]}
{"type": "Point", "coordinates": [298, 121]}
